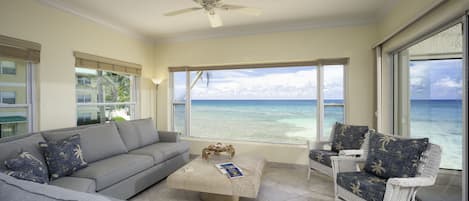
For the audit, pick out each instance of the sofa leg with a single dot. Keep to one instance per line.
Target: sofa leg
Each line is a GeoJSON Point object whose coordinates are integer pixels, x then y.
{"type": "Point", "coordinates": [309, 173]}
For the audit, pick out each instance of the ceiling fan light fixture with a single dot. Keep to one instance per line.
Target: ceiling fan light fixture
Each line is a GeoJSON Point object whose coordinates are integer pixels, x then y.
{"type": "Point", "coordinates": [215, 20]}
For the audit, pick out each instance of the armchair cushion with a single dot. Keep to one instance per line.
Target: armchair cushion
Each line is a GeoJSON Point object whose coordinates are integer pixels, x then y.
{"type": "Point", "coordinates": [322, 156]}
{"type": "Point", "coordinates": [390, 156]}
{"type": "Point", "coordinates": [363, 184]}
{"type": "Point", "coordinates": [348, 136]}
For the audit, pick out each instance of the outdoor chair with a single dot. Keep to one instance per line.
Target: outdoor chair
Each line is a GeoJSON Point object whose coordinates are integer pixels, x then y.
{"type": "Point", "coordinates": [344, 140]}
{"type": "Point", "coordinates": [394, 169]}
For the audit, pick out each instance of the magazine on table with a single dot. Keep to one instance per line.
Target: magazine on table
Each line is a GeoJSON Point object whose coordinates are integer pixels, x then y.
{"type": "Point", "coordinates": [230, 170]}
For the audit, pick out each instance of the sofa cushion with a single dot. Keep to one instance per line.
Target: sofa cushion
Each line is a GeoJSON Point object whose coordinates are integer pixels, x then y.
{"type": "Point", "coordinates": [138, 133]}
{"type": "Point", "coordinates": [362, 184]}
{"type": "Point", "coordinates": [18, 190]}
{"type": "Point", "coordinates": [76, 183]}
{"type": "Point", "coordinates": [11, 147]}
{"type": "Point", "coordinates": [115, 169]}
{"type": "Point", "coordinates": [27, 167]}
{"type": "Point", "coordinates": [322, 156]}
{"type": "Point", "coordinates": [163, 151]}
{"type": "Point", "coordinates": [348, 136]}
{"type": "Point", "coordinates": [391, 156]}
{"type": "Point", "coordinates": [63, 157]}
{"type": "Point", "coordinates": [97, 142]}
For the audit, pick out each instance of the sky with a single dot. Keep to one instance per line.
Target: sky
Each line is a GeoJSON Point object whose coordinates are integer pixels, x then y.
{"type": "Point", "coordinates": [264, 83]}
{"type": "Point", "coordinates": [436, 79]}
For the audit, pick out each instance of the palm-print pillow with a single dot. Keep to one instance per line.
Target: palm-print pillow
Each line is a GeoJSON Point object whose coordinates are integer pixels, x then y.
{"type": "Point", "coordinates": [63, 157]}
{"type": "Point", "coordinates": [27, 167]}
{"type": "Point", "coordinates": [348, 136]}
{"type": "Point", "coordinates": [390, 156]}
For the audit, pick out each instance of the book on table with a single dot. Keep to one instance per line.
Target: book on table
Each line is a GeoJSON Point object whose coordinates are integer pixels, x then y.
{"type": "Point", "coordinates": [230, 170]}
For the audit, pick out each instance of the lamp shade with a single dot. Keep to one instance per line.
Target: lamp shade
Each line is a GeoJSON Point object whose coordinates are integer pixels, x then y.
{"type": "Point", "coordinates": [156, 81]}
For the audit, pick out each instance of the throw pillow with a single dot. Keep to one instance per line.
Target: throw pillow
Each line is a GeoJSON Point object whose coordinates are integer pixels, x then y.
{"type": "Point", "coordinates": [348, 136]}
{"type": "Point", "coordinates": [390, 156]}
{"type": "Point", "coordinates": [27, 167]}
{"type": "Point", "coordinates": [63, 157]}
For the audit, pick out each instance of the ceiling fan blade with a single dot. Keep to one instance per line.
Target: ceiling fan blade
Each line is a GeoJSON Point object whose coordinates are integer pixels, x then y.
{"type": "Point", "coordinates": [242, 9]}
{"type": "Point", "coordinates": [182, 11]}
{"type": "Point", "coordinates": [215, 20]}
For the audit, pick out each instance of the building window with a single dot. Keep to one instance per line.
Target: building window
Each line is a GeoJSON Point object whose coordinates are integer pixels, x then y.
{"type": "Point", "coordinates": [83, 80]}
{"type": "Point", "coordinates": [84, 98]}
{"type": "Point", "coordinates": [16, 103]}
{"type": "Point", "coordinates": [104, 96]}
{"type": "Point", "coordinates": [7, 67]}
{"type": "Point", "coordinates": [7, 97]}
{"type": "Point", "coordinates": [274, 105]}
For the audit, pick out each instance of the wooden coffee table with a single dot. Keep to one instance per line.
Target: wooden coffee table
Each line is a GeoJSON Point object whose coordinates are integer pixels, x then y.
{"type": "Point", "coordinates": [202, 176]}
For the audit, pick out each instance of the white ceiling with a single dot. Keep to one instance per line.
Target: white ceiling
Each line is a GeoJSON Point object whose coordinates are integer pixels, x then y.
{"type": "Point", "coordinates": [145, 19]}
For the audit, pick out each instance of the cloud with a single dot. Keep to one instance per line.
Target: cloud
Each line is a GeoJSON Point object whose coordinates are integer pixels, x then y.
{"type": "Point", "coordinates": [447, 82]}
{"type": "Point", "coordinates": [299, 83]}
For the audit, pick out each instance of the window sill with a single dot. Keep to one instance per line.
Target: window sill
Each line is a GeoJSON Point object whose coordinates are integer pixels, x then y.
{"type": "Point", "coordinates": [230, 141]}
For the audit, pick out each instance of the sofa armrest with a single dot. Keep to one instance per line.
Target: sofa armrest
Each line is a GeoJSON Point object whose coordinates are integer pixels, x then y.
{"type": "Point", "coordinates": [168, 136]}
{"type": "Point", "coordinates": [412, 181]}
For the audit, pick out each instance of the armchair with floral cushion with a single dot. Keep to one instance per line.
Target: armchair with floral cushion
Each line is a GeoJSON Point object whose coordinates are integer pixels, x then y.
{"type": "Point", "coordinates": [394, 169]}
{"type": "Point", "coordinates": [344, 140]}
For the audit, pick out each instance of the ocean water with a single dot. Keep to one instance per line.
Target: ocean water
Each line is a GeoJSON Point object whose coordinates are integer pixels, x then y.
{"type": "Point", "coordinates": [294, 121]}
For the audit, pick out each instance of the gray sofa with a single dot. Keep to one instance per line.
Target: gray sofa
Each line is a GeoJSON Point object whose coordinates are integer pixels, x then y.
{"type": "Point", "coordinates": [123, 158]}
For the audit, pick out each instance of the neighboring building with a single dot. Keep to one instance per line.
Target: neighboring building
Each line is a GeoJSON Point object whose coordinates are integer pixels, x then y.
{"type": "Point", "coordinates": [13, 92]}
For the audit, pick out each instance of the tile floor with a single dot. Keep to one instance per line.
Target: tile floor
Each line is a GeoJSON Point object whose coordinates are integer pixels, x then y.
{"type": "Point", "coordinates": [280, 182]}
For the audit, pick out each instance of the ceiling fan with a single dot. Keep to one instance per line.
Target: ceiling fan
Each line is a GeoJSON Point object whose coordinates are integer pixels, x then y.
{"type": "Point", "coordinates": [210, 6]}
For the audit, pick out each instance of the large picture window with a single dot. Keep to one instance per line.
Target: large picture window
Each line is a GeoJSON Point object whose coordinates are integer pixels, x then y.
{"type": "Point", "coordinates": [103, 96]}
{"type": "Point", "coordinates": [15, 97]}
{"type": "Point", "coordinates": [276, 105]}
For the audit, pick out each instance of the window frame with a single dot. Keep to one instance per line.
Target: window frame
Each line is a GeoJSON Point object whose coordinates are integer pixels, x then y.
{"type": "Point", "coordinates": [320, 106]}
{"type": "Point", "coordinates": [30, 97]}
{"type": "Point", "coordinates": [133, 103]}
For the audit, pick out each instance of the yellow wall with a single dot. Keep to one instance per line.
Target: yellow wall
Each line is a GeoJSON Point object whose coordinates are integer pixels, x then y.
{"type": "Point", "coordinates": [353, 42]}
{"type": "Point", "coordinates": [60, 34]}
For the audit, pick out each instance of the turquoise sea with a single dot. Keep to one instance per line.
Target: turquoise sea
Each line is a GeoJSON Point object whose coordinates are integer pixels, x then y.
{"type": "Point", "coordinates": [294, 121]}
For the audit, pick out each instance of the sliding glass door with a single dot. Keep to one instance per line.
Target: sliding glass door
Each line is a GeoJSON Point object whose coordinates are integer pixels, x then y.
{"type": "Point", "coordinates": [431, 92]}
{"type": "Point", "coordinates": [429, 102]}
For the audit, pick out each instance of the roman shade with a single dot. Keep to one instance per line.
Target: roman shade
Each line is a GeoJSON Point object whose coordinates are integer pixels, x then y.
{"type": "Point", "coordinates": [334, 61]}
{"type": "Point", "coordinates": [20, 49]}
{"type": "Point", "coordinates": [85, 60]}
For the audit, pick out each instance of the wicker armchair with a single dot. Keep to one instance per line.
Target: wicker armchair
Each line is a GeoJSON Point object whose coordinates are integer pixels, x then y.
{"type": "Point", "coordinates": [394, 189]}
{"type": "Point", "coordinates": [324, 165]}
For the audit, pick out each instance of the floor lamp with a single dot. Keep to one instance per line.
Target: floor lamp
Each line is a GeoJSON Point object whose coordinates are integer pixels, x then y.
{"type": "Point", "coordinates": [157, 83]}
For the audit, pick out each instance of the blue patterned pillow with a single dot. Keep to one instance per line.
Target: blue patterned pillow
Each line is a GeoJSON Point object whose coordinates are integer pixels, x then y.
{"type": "Point", "coordinates": [390, 156]}
{"type": "Point", "coordinates": [27, 167]}
{"type": "Point", "coordinates": [348, 137]}
{"type": "Point", "coordinates": [63, 157]}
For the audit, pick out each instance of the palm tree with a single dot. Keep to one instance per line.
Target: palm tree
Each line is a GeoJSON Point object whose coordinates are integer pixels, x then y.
{"type": "Point", "coordinates": [385, 139]}
{"type": "Point", "coordinates": [78, 153]}
{"type": "Point", "coordinates": [356, 188]}
{"type": "Point", "coordinates": [320, 157]}
{"type": "Point", "coordinates": [377, 167]}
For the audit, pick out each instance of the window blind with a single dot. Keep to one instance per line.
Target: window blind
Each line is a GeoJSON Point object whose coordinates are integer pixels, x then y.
{"type": "Point", "coordinates": [20, 49]}
{"type": "Point", "coordinates": [335, 61]}
{"type": "Point", "coordinates": [86, 60]}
